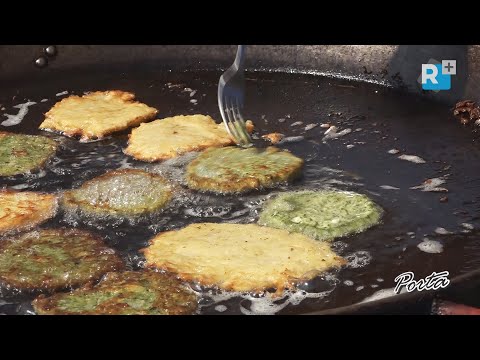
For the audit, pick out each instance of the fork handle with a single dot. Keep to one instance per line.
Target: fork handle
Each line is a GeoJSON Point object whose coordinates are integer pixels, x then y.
{"type": "Point", "coordinates": [239, 58]}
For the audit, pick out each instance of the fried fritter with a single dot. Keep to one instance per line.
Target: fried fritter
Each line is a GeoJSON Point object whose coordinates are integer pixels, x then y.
{"type": "Point", "coordinates": [97, 114]}
{"type": "Point", "coordinates": [322, 215]}
{"type": "Point", "coordinates": [125, 293]}
{"type": "Point", "coordinates": [23, 210]}
{"type": "Point", "coordinates": [235, 170]}
{"type": "Point", "coordinates": [240, 257]}
{"type": "Point", "coordinates": [53, 259]}
{"type": "Point", "coordinates": [127, 192]}
{"type": "Point", "coordinates": [21, 153]}
{"type": "Point", "coordinates": [174, 136]}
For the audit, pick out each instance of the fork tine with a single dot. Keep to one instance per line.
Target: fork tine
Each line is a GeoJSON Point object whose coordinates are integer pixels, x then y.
{"type": "Point", "coordinates": [230, 123]}
{"type": "Point", "coordinates": [240, 125]}
{"type": "Point", "coordinates": [242, 120]}
{"type": "Point", "coordinates": [224, 117]}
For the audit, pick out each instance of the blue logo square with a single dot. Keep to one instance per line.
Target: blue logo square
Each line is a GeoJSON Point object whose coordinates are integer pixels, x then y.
{"type": "Point", "coordinates": [444, 81]}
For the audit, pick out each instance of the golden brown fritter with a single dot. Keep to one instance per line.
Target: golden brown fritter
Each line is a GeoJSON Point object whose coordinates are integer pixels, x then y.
{"type": "Point", "coordinates": [234, 170]}
{"type": "Point", "coordinates": [240, 257]}
{"type": "Point", "coordinates": [21, 153]}
{"type": "Point", "coordinates": [127, 192]}
{"type": "Point", "coordinates": [53, 259]}
{"type": "Point", "coordinates": [97, 114]}
{"type": "Point", "coordinates": [322, 215]}
{"type": "Point", "coordinates": [174, 136]}
{"type": "Point", "coordinates": [23, 210]}
{"type": "Point", "coordinates": [125, 293]}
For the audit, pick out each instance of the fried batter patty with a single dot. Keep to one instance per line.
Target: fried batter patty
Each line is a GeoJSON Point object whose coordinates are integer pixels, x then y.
{"type": "Point", "coordinates": [24, 210]}
{"type": "Point", "coordinates": [233, 169]}
{"type": "Point", "coordinates": [323, 215]}
{"type": "Point", "coordinates": [94, 115]}
{"type": "Point", "coordinates": [52, 259]}
{"type": "Point", "coordinates": [126, 293]}
{"type": "Point", "coordinates": [127, 192]}
{"type": "Point", "coordinates": [21, 153]}
{"type": "Point", "coordinates": [174, 136]}
{"type": "Point", "coordinates": [240, 257]}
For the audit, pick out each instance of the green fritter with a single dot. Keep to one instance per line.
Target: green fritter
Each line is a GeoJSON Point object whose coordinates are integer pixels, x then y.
{"type": "Point", "coordinates": [236, 170]}
{"type": "Point", "coordinates": [322, 215]}
{"type": "Point", "coordinates": [128, 192]}
{"type": "Point", "coordinates": [21, 153]}
{"type": "Point", "coordinates": [52, 259]}
{"type": "Point", "coordinates": [127, 293]}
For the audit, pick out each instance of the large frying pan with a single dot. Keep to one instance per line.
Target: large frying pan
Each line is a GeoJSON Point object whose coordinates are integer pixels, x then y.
{"type": "Point", "coordinates": [372, 90]}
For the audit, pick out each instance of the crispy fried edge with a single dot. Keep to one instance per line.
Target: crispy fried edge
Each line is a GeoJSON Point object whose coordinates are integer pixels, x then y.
{"type": "Point", "coordinates": [239, 185]}
{"type": "Point", "coordinates": [42, 301]}
{"type": "Point", "coordinates": [274, 138]}
{"type": "Point", "coordinates": [126, 97]}
{"type": "Point", "coordinates": [52, 211]}
{"type": "Point", "coordinates": [284, 282]}
{"type": "Point", "coordinates": [199, 147]}
{"type": "Point", "coordinates": [53, 150]}
{"type": "Point", "coordinates": [69, 202]}
{"type": "Point", "coordinates": [117, 262]}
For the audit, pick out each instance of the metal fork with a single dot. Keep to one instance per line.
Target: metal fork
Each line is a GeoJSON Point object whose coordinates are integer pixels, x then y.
{"type": "Point", "coordinates": [231, 93]}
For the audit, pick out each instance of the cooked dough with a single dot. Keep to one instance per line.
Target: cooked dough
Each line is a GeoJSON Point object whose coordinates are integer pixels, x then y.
{"type": "Point", "coordinates": [53, 259]}
{"type": "Point", "coordinates": [170, 137]}
{"type": "Point", "coordinates": [240, 257]}
{"type": "Point", "coordinates": [126, 293]}
{"type": "Point", "coordinates": [21, 153]}
{"type": "Point", "coordinates": [121, 192]}
{"type": "Point", "coordinates": [233, 169]}
{"type": "Point", "coordinates": [97, 114]}
{"type": "Point", "coordinates": [322, 215]}
{"type": "Point", "coordinates": [274, 138]}
{"type": "Point", "coordinates": [23, 210]}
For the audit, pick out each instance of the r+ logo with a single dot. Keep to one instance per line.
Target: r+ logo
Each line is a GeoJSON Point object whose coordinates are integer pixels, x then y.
{"type": "Point", "coordinates": [437, 76]}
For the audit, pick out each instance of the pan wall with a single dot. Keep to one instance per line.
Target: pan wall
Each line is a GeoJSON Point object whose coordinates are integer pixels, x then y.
{"type": "Point", "coordinates": [394, 65]}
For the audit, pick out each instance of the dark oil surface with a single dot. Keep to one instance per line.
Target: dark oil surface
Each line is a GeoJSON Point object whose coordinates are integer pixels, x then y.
{"type": "Point", "coordinates": [387, 119]}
